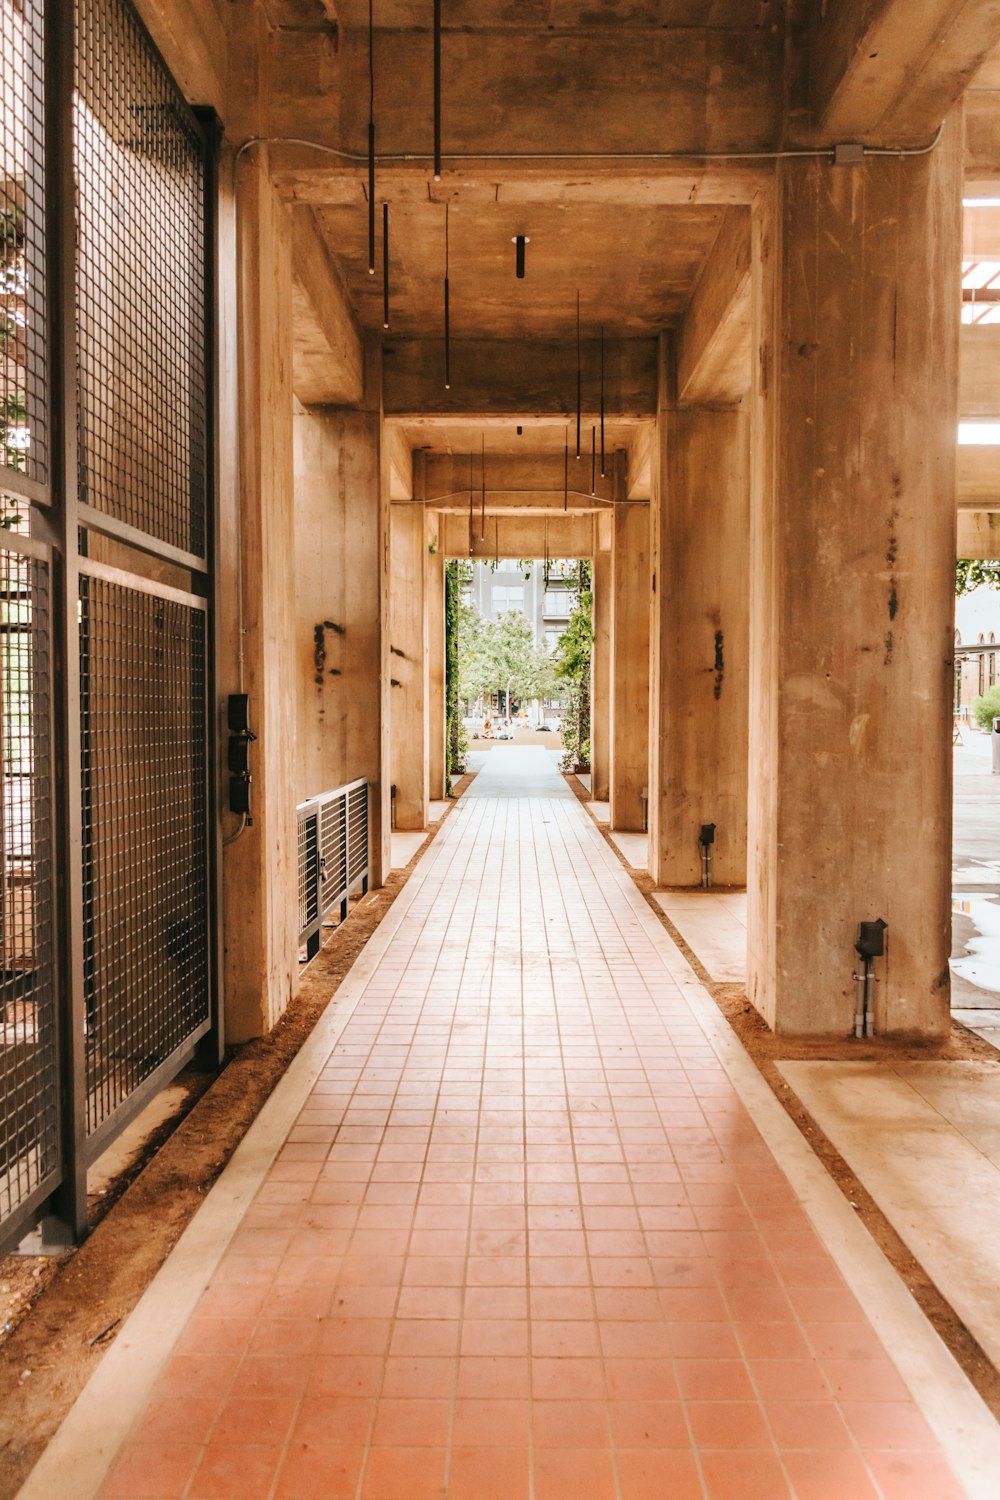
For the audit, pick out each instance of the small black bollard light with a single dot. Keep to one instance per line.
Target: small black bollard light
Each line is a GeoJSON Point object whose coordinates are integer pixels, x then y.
{"type": "Point", "coordinates": [706, 839]}
{"type": "Point", "coordinates": [870, 945]}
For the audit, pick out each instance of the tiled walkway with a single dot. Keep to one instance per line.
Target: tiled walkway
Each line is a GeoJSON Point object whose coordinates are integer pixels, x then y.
{"type": "Point", "coordinates": [524, 1241]}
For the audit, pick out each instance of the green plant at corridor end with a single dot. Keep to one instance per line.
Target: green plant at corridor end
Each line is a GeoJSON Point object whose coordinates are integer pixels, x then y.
{"type": "Point", "coordinates": [456, 741]}
{"type": "Point", "coordinates": [974, 573]}
{"type": "Point", "coordinates": [572, 660]}
{"type": "Point", "coordinates": [987, 708]}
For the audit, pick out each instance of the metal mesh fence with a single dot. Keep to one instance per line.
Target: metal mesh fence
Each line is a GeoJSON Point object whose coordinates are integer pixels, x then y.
{"type": "Point", "coordinates": [29, 1092]}
{"type": "Point", "coordinates": [23, 375]}
{"type": "Point", "coordinates": [140, 284]}
{"type": "Point", "coordinates": [145, 857]}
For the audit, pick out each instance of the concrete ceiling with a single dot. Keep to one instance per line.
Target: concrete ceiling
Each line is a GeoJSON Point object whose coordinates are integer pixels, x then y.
{"type": "Point", "coordinates": [552, 15]}
{"type": "Point", "coordinates": [635, 268]}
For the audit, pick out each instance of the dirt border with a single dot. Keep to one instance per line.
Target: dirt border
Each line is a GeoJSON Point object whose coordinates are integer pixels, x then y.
{"type": "Point", "coordinates": [766, 1050]}
{"type": "Point", "coordinates": [80, 1299]}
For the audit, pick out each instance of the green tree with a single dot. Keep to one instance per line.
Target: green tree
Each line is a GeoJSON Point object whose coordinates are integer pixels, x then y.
{"type": "Point", "coordinates": [987, 708]}
{"type": "Point", "coordinates": [972, 573]}
{"type": "Point", "coordinates": [572, 664]}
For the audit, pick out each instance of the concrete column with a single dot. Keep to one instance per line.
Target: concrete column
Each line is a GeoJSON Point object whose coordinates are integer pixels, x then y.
{"type": "Point", "coordinates": [853, 545]}
{"type": "Point", "coordinates": [408, 737]}
{"type": "Point", "coordinates": [434, 604]}
{"type": "Point", "coordinates": [341, 549]}
{"type": "Point", "coordinates": [600, 687]}
{"type": "Point", "coordinates": [629, 717]}
{"type": "Point", "coordinates": [700, 648]}
{"type": "Point", "coordinates": [260, 867]}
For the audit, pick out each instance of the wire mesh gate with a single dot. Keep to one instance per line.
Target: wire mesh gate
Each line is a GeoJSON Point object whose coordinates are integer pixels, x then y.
{"type": "Point", "coordinates": [106, 843]}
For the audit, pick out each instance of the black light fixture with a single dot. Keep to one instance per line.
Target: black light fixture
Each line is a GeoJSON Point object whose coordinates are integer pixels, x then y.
{"type": "Point", "coordinates": [371, 139]}
{"type": "Point", "coordinates": [471, 503]}
{"type": "Point", "coordinates": [579, 377]}
{"type": "Point", "coordinates": [593, 460]}
{"type": "Point", "coordinates": [519, 241]}
{"type": "Point", "coordinates": [566, 474]}
{"type": "Point", "coordinates": [385, 265]}
{"type": "Point", "coordinates": [482, 514]}
{"type": "Point", "coordinates": [437, 90]}
{"type": "Point", "coordinates": [447, 325]}
{"type": "Point", "coordinates": [602, 400]}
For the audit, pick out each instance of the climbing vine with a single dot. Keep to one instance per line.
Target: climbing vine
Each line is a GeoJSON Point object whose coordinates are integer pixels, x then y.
{"type": "Point", "coordinates": [572, 658]}
{"type": "Point", "coordinates": [970, 574]}
{"type": "Point", "coordinates": [455, 742]}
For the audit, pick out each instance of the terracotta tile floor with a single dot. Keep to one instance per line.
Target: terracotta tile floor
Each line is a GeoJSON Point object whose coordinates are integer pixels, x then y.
{"type": "Point", "coordinates": [524, 1242]}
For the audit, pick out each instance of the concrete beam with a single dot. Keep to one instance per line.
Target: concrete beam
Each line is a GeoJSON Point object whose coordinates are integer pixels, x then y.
{"type": "Point", "coordinates": [191, 35]}
{"type": "Point", "coordinates": [328, 350]}
{"type": "Point", "coordinates": [714, 340]}
{"type": "Point", "coordinates": [978, 482]}
{"type": "Point", "coordinates": [889, 71]}
{"type": "Point", "coordinates": [684, 88]}
{"type": "Point", "coordinates": [979, 372]}
{"type": "Point", "coordinates": [519, 536]}
{"type": "Point", "coordinates": [978, 535]}
{"type": "Point", "coordinates": [518, 485]}
{"type": "Point", "coordinates": [518, 377]}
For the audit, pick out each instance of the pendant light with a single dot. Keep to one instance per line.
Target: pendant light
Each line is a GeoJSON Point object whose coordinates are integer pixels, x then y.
{"type": "Point", "coordinates": [447, 325]}
{"type": "Point", "coordinates": [602, 400]}
{"type": "Point", "coordinates": [385, 265]}
{"type": "Point", "coordinates": [371, 139]}
{"type": "Point", "coordinates": [579, 377]}
{"type": "Point", "coordinates": [437, 90]}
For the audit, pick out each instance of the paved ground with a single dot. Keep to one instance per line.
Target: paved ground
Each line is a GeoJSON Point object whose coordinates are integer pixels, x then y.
{"type": "Point", "coordinates": [522, 1239]}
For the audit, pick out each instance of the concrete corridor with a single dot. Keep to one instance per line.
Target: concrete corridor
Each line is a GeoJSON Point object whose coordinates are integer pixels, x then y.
{"type": "Point", "coordinates": [514, 1227]}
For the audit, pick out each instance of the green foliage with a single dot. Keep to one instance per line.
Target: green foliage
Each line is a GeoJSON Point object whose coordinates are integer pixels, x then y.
{"type": "Point", "coordinates": [987, 708]}
{"type": "Point", "coordinates": [497, 657]}
{"type": "Point", "coordinates": [455, 743]}
{"type": "Point", "coordinates": [572, 665]}
{"type": "Point", "coordinates": [972, 573]}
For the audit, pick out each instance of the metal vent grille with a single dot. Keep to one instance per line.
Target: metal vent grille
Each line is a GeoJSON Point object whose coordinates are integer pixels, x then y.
{"type": "Point", "coordinates": [333, 844]}
{"type": "Point", "coordinates": [23, 375]}
{"type": "Point", "coordinates": [357, 830]}
{"type": "Point", "coordinates": [146, 975]}
{"type": "Point", "coordinates": [140, 284]}
{"type": "Point", "coordinates": [29, 1092]}
{"type": "Point", "coordinates": [308, 869]}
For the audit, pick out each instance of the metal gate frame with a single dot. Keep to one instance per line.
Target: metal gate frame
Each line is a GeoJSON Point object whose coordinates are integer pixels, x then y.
{"type": "Point", "coordinates": [56, 537]}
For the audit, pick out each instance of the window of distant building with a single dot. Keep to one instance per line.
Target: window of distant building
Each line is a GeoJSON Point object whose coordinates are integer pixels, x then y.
{"type": "Point", "coordinates": [557, 604]}
{"type": "Point", "coordinates": [507, 596]}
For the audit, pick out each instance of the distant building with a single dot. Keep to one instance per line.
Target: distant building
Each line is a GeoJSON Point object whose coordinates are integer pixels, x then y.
{"type": "Point", "coordinates": [545, 602]}
{"type": "Point", "coordinates": [977, 623]}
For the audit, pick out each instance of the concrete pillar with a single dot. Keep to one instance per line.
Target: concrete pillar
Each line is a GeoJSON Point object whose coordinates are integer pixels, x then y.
{"type": "Point", "coordinates": [600, 688]}
{"type": "Point", "coordinates": [629, 716]}
{"type": "Point", "coordinates": [852, 599]}
{"type": "Point", "coordinates": [340, 590]}
{"type": "Point", "coordinates": [700, 641]}
{"type": "Point", "coordinates": [408, 737]}
{"type": "Point", "coordinates": [260, 867]}
{"type": "Point", "coordinates": [434, 561]}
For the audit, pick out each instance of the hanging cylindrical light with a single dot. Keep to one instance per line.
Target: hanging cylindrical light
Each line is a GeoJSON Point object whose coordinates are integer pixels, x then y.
{"type": "Point", "coordinates": [519, 241]}
{"type": "Point", "coordinates": [447, 320]}
{"type": "Point", "coordinates": [437, 90]}
{"type": "Point", "coordinates": [471, 504]}
{"type": "Point", "coordinates": [602, 400]}
{"type": "Point", "coordinates": [371, 139]}
{"type": "Point", "coordinates": [593, 460]}
{"type": "Point", "coordinates": [385, 265]}
{"type": "Point", "coordinates": [579, 377]}
{"type": "Point", "coordinates": [566, 475]}
{"type": "Point", "coordinates": [482, 514]}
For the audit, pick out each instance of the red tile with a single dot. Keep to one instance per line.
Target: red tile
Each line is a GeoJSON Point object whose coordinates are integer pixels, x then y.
{"type": "Point", "coordinates": [567, 1379]}
{"type": "Point", "coordinates": [254, 1420]}
{"type": "Point", "coordinates": [753, 1476]}
{"type": "Point", "coordinates": [808, 1425]}
{"type": "Point", "coordinates": [283, 1376]}
{"type": "Point", "coordinates": [503, 1336]}
{"type": "Point", "coordinates": [831, 1476]}
{"type": "Point", "coordinates": [641, 1379]}
{"type": "Point", "coordinates": [168, 1418]}
{"type": "Point", "coordinates": [574, 1338]}
{"type": "Point", "coordinates": [565, 1473]}
{"type": "Point", "coordinates": [888, 1425]}
{"type": "Point", "coordinates": [320, 1472]}
{"type": "Point", "coordinates": [789, 1379]}
{"type": "Point", "coordinates": [333, 1420]}
{"type": "Point", "coordinates": [490, 1377]}
{"type": "Point", "coordinates": [412, 1423]}
{"type": "Point", "coordinates": [491, 1423]}
{"type": "Point", "coordinates": [424, 1338]}
{"type": "Point", "coordinates": [340, 1375]}
{"type": "Point", "coordinates": [570, 1424]}
{"type": "Point", "coordinates": [489, 1473]}
{"type": "Point", "coordinates": [714, 1380]}
{"type": "Point", "coordinates": [665, 1475]}
{"type": "Point", "coordinates": [151, 1471]}
{"type": "Point", "coordinates": [416, 1473]}
{"type": "Point", "coordinates": [231, 1472]}
{"type": "Point", "coordinates": [728, 1424]}
{"type": "Point", "coordinates": [430, 1302]}
{"type": "Point", "coordinates": [649, 1424]}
